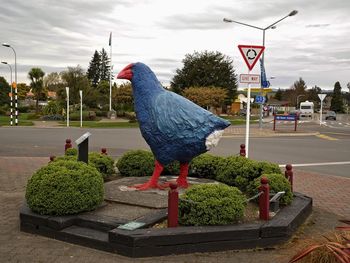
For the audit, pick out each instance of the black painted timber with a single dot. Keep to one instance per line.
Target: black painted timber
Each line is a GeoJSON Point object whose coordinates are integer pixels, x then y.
{"type": "Point", "coordinates": [101, 232]}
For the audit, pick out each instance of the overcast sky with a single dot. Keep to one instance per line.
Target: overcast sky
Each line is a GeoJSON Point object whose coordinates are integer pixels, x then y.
{"type": "Point", "coordinates": [54, 34]}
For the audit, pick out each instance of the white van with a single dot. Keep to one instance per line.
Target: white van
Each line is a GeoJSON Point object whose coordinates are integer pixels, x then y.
{"type": "Point", "coordinates": [306, 109]}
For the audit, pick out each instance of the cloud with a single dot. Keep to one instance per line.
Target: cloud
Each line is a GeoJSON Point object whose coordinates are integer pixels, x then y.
{"type": "Point", "coordinates": [318, 25]}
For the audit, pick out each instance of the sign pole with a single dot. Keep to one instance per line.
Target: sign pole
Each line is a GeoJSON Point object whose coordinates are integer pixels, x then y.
{"type": "Point", "coordinates": [81, 107]}
{"type": "Point", "coordinates": [321, 97]}
{"type": "Point", "coordinates": [247, 122]}
{"type": "Point", "coordinates": [67, 91]}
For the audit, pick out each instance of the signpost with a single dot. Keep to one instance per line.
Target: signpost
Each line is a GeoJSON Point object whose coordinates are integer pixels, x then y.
{"type": "Point", "coordinates": [83, 147]}
{"type": "Point", "coordinates": [260, 99]}
{"type": "Point", "coordinates": [285, 118]}
{"type": "Point", "coordinates": [67, 91]}
{"type": "Point", "coordinates": [250, 55]}
{"type": "Point", "coordinates": [321, 96]}
{"type": "Point", "coordinates": [249, 78]}
{"type": "Point", "coordinates": [81, 107]}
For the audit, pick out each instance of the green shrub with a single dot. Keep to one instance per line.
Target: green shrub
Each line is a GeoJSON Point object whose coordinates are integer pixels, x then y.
{"type": "Point", "coordinates": [206, 166]}
{"type": "Point", "coordinates": [237, 171]}
{"type": "Point", "coordinates": [23, 109]}
{"type": "Point", "coordinates": [103, 163]}
{"type": "Point", "coordinates": [172, 168]}
{"type": "Point", "coordinates": [66, 158]}
{"type": "Point", "coordinates": [71, 152]}
{"type": "Point", "coordinates": [56, 117]}
{"type": "Point", "coordinates": [63, 188]}
{"type": "Point", "coordinates": [277, 183]}
{"type": "Point", "coordinates": [131, 116]}
{"type": "Point", "coordinates": [52, 108]}
{"type": "Point", "coordinates": [211, 204]}
{"type": "Point", "coordinates": [136, 163]}
{"type": "Point", "coordinates": [33, 116]}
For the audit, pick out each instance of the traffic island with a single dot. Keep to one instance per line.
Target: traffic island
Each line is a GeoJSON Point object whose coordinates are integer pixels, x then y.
{"type": "Point", "coordinates": [135, 235]}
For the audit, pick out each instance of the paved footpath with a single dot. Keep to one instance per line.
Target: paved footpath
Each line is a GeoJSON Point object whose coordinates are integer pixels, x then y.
{"type": "Point", "coordinates": [331, 202]}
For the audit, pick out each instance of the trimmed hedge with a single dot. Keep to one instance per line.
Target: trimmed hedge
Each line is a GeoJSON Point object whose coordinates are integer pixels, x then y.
{"type": "Point", "coordinates": [71, 152]}
{"type": "Point", "coordinates": [103, 163]}
{"type": "Point", "coordinates": [211, 204]}
{"type": "Point", "coordinates": [141, 163]}
{"type": "Point", "coordinates": [277, 183]}
{"type": "Point", "coordinates": [239, 171]}
{"type": "Point", "coordinates": [206, 166]}
{"type": "Point", "coordinates": [64, 188]}
{"type": "Point", "coordinates": [136, 163]}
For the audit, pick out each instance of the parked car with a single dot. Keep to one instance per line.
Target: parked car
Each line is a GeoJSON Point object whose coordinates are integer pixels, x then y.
{"type": "Point", "coordinates": [331, 115]}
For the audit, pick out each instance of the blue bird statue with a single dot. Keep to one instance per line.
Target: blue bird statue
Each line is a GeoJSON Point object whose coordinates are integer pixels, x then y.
{"type": "Point", "coordinates": [175, 128]}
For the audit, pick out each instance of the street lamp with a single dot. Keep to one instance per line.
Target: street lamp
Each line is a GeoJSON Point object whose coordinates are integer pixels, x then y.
{"type": "Point", "coordinates": [298, 99]}
{"type": "Point", "coordinates": [11, 109]}
{"type": "Point", "coordinates": [272, 26]}
{"type": "Point", "coordinates": [16, 106]}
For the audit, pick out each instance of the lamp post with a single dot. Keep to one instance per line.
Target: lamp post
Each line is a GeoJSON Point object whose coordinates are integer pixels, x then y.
{"type": "Point", "coordinates": [16, 106]}
{"type": "Point", "coordinates": [11, 108]}
{"type": "Point", "coordinates": [298, 99]}
{"type": "Point", "coordinates": [272, 26]}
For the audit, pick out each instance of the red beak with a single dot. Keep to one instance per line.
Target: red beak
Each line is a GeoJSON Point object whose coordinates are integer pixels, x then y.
{"type": "Point", "coordinates": [126, 73]}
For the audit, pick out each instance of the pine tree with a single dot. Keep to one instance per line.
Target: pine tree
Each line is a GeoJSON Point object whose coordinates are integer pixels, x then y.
{"type": "Point", "coordinates": [104, 66]}
{"type": "Point", "coordinates": [337, 99]}
{"type": "Point", "coordinates": [278, 95]}
{"type": "Point", "coordinates": [93, 72]}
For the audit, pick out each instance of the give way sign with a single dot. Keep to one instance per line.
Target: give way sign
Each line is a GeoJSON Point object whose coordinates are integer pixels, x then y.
{"type": "Point", "coordinates": [251, 54]}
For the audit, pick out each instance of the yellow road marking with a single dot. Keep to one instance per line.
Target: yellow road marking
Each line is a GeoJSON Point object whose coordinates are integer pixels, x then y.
{"type": "Point", "coordinates": [326, 137]}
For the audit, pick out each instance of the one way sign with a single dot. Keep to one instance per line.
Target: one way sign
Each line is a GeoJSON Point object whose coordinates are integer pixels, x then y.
{"type": "Point", "coordinates": [251, 54]}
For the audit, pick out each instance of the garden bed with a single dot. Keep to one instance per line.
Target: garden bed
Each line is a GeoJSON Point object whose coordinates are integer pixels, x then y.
{"type": "Point", "coordinates": [100, 231]}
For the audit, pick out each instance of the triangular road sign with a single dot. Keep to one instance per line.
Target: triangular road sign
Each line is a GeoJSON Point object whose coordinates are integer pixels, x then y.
{"type": "Point", "coordinates": [251, 54]}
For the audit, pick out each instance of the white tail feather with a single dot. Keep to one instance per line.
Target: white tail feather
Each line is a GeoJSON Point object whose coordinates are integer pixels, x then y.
{"type": "Point", "coordinates": [213, 139]}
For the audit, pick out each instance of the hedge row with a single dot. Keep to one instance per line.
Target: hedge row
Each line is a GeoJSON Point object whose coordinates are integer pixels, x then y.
{"type": "Point", "coordinates": [234, 170]}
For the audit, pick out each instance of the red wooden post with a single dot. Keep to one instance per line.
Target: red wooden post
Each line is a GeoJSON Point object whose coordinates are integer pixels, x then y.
{"type": "Point", "coordinates": [242, 150]}
{"type": "Point", "coordinates": [264, 199]}
{"type": "Point", "coordinates": [67, 145]}
{"type": "Point", "coordinates": [274, 122]}
{"type": "Point", "coordinates": [104, 151]}
{"type": "Point", "coordinates": [289, 175]}
{"type": "Point", "coordinates": [173, 206]}
{"type": "Point", "coordinates": [52, 158]}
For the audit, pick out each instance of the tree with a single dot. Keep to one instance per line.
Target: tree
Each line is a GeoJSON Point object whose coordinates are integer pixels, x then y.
{"type": "Point", "coordinates": [36, 76]}
{"type": "Point", "coordinates": [104, 66]}
{"type": "Point", "coordinates": [123, 97]}
{"type": "Point", "coordinates": [337, 99]}
{"type": "Point", "coordinates": [22, 90]}
{"type": "Point", "coordinates": [206, 96]}
{"type": "Point", "coordinates": [5, 89]}
{"type": "Point", "coordinates": [297, 89]}
{"type": "Point", "coordinates": [76, 79]}
{"type": "Point", "coordinates": [206, 69]}
{"type": "Point", "coordinates": [278, 95]}
{"type": "Point", "coordinates": [53, 81]}
{"type": "Point", "coordinates": [312, 95]}
{"type": "Point", "coordinates": [103, 93]}
{"type": "Point", "coordinates": [93, 72]}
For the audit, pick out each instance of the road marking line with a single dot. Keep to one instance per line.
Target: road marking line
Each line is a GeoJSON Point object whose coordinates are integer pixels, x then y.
{"type": "Point", "coordinates": [315, 164]}
{"type": "Point", "coordinates": [326, 137]}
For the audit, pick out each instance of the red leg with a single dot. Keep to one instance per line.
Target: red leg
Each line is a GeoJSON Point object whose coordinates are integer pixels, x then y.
{"type": "Point", "coordinates": [153, 181]}
{"type": "Point", "coordinates": [182, 179]}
